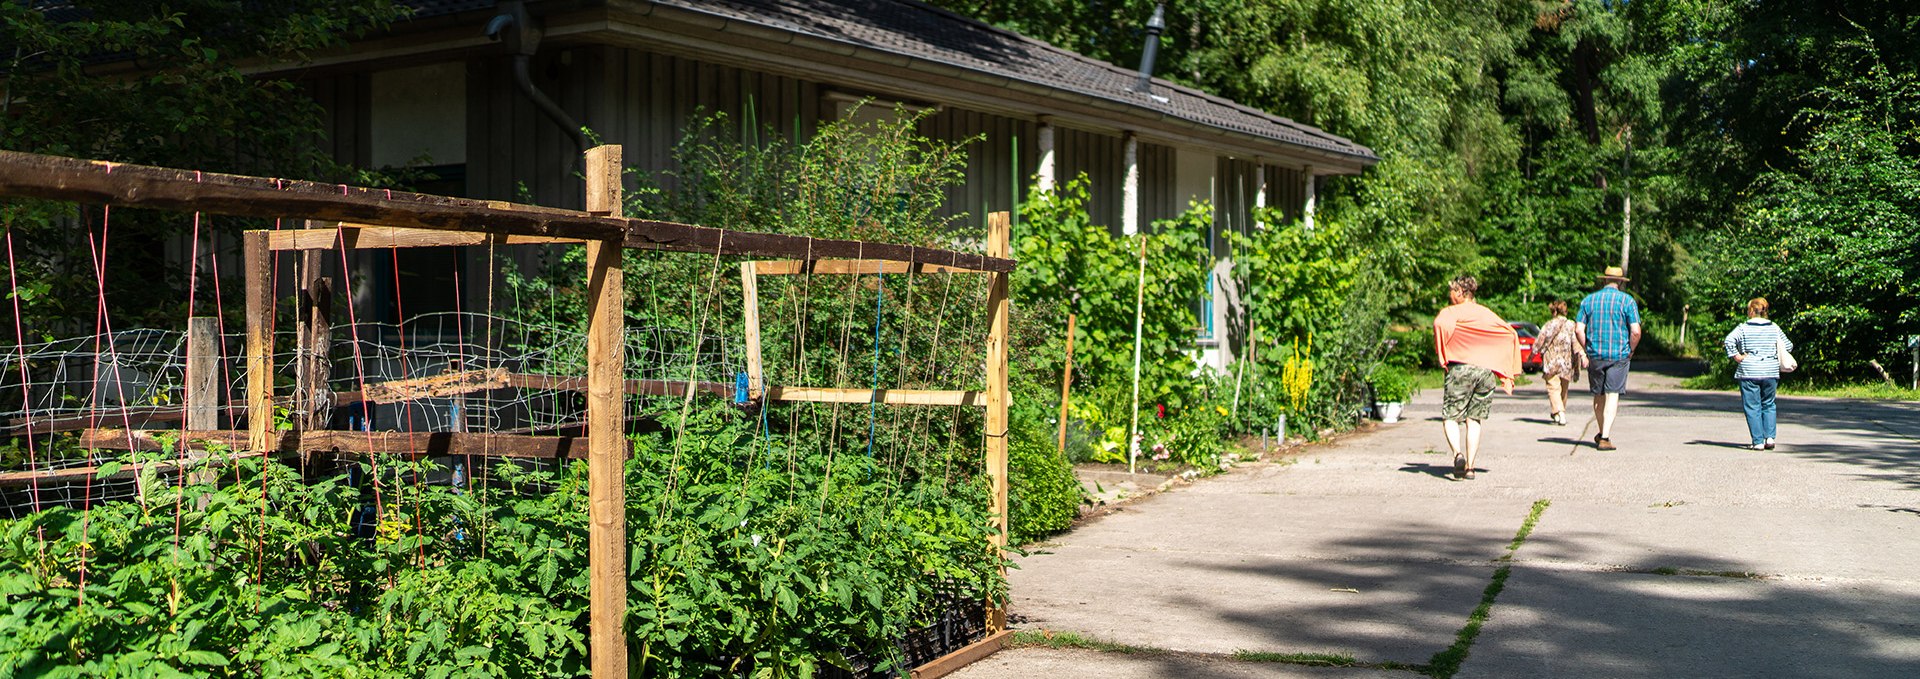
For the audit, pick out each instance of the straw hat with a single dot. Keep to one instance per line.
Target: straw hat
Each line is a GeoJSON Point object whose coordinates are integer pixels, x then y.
{"type": "Point", "coordinates": [1614, 273]}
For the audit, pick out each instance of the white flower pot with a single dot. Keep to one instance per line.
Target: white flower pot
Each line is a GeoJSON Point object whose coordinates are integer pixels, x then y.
{"type": "Point", "coordinates": [1390, 412]}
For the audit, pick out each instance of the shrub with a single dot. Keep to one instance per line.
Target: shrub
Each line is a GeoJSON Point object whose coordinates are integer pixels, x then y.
{"type": "Point", "coordinates": [1043, 497]}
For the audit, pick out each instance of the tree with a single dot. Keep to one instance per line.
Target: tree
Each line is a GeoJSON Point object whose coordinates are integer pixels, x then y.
{"type": "Point", "coordinates": [154, 82]}
{"type": "Point", "coordinates": [1829, 239]}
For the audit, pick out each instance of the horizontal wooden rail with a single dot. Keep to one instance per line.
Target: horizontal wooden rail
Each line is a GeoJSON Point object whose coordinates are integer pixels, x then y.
{"type": "Point", "coordinates": [912, 397]}
{"type": "Point", "coordinates": [25, 478]}
{"type": "Point", "coordinates": [29, 175]}
{"type": "Point", "coordinates": [366, 236]}
{"type": "Point", "coordinates": [634, 387]}
{"type": "Point", "coordinates": [135, 415]}
{"type": "Point", "coordinates": [789, 267]}
{"type": "Point", "coordinates": [966, 655]}
{"type": "Point", "coordinates": [416, 444]}
{"type": "Point", "coordinates": [435, 386]}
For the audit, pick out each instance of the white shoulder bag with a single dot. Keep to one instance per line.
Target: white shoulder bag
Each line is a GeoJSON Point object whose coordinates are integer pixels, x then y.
{"type": "Point", "coordinates": [1787, 364]}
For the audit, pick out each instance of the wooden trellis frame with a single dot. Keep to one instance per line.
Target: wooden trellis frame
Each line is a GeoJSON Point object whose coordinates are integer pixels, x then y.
{"type": "Point", "coordinates": [377, 218]}
{"type": "Point", "coordinates": [995, 397]}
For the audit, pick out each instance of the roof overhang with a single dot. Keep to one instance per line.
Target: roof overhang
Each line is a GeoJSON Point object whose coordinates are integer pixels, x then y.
{"type": "Point", "coordinates": [845, 65]}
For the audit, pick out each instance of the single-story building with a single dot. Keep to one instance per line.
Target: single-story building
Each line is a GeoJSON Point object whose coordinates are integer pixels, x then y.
{"type": "Point", "coordinates": [460, 86]}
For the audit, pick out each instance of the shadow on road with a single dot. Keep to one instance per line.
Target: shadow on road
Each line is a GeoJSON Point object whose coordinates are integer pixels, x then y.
{"type": "Point", "coordinates": [1562, 622]}
{"type": "Point", "coordinates": [1716, 444]}
{"type": "Point", "coordinates": [1562, 440]}
{"type": "Point", "coordinates": [1882, 436]}
{"type": "Point", "coordinates": [1581, 624]}
{"type": "Point", "coordinates": [1444, 471]}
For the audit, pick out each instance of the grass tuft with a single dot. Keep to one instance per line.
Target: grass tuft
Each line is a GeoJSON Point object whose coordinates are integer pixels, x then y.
{"type": "Point", "coordinates": [1314, 659]}
{"type": "Point", "coordinates": [1447, 663]}
{"type": "Point", "coordinates": [1051, 639]}
{"type": "Point", "coordinates": [1526, 527]}
{"type": "Point", "coordinates": [1698, 573]}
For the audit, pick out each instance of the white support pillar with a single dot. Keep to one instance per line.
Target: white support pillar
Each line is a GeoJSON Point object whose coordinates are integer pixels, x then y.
{"type": "Point", "coordinates": [1046, 173]}
{"type": "Point", "coordinates": [1260, 190]}
{"type": "Point", "coordinates": [1130, 188]}
{"type": "Point", "coordinates": [1312, 197]}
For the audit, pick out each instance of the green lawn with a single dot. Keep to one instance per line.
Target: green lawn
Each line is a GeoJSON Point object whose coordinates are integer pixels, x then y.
{"type": "Point", "coordinates": [1879, 391]}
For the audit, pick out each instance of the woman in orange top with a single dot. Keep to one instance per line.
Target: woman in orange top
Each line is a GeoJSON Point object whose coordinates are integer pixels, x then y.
{"type": "Point", "coordinates": [1479, 351]}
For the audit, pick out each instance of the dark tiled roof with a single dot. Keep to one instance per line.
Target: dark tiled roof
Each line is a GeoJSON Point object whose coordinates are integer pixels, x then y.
{"type": "Point", "coordinates": [913, 29]}
{"type": "Point", "coordinates": [917, 30]}
{"type": "Point", "coordinates": [427, 8]}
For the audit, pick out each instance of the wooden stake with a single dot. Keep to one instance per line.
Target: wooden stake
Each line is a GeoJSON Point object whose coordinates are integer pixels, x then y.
{"type": "Point", "coordinates": [750, 303]}
{"type": "Point", "coordinates": [1066, 384]}
{"type": "Point", "coordinates": [313, 402]}
{"type": "Point", "coordinates": [459, 423]}
{"type": "Point", "coordinates": [1139, 314]}
{"type": "Point", "coordinates": [203, 374]}
{"type": "Point", "coordinates": [606, 426]}
{"type": "Point", "coordinates": [203, 387]}
{"type": "Point", "coordinates": [258, 268]}
{"type": "Point", "coordinates": [999, 244]}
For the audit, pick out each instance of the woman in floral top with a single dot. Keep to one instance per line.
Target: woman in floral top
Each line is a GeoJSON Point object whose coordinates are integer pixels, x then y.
{"type": "Point", "coordinates": [1561, 359]}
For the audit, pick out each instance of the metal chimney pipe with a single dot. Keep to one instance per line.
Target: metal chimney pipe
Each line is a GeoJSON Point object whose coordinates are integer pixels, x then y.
{"type": "Point", "coordinates": [1154, 26]}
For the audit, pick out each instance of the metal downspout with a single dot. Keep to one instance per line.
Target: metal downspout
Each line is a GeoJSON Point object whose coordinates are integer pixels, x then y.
{"type": "Point", "coordinates": [516, 27]}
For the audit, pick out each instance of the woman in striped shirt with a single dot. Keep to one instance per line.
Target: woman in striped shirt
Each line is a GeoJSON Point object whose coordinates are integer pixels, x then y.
{"type": "Point", "coordinates": [1755, 348]}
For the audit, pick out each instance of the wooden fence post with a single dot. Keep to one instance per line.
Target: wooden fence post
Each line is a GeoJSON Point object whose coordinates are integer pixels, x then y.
{"type": "Point", "coordinates": [258, 268]}
{"type": "Point", "coordinates": [606, 426]}
{"type": "Point", "coordinates": [999, 244]}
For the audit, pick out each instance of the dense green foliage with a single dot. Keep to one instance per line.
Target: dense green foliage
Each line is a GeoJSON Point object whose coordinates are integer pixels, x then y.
{"type": "Point", "coordinates": [1833, 239]}
{"type": "Point", "coordinates": [1514, 133]}
{"type": "Point", "coordinates": [1044, 497]}
{"type": "Point", "coordinates": [1768, 147]}
{"type": "Point", "coordinates": [729, 574]}
{"type": "Point", "coordinates": [877, 181]}
{"type": "Point", "coordinates": [1295, 283]}
{"type": "Point", "coordinates": [1071, 265]}
{"type": "Point", "coordinates": [767, 542]}
{"type": "Point", "coordinates": [160, 83]}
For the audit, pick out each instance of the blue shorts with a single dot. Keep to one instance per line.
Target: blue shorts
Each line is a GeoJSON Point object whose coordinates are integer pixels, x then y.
{"type": "Point", "coordinates": [1608, 377]}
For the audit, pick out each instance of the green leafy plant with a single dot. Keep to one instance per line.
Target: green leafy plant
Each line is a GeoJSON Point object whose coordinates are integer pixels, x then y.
{"type": "Point", "coordinates": [1391, 384]}
{"type": "Point", "coordinates": [1043, 496]}
{"type": "Point", "coordinates": [738, 569]}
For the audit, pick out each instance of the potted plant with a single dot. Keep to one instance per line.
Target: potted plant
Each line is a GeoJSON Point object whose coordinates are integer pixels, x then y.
{"type": "Point", "coordinates": [1392, 386]}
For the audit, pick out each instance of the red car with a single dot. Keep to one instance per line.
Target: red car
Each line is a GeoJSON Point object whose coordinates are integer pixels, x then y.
{"type": "Point", "coordinates": [1529, 361]}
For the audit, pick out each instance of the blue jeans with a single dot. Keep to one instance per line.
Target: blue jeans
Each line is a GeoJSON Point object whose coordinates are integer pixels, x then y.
{"type": "Point", "coordinates": [1756, 397]}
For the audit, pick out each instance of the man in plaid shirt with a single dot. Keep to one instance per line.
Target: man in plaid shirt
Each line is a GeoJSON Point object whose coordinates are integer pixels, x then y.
{"type": "Point", "coordinates": [1609, 328]}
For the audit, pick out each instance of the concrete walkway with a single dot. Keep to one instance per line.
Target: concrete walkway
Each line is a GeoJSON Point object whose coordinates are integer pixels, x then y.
{"type": "Point", "coordinates": [1679, 555]}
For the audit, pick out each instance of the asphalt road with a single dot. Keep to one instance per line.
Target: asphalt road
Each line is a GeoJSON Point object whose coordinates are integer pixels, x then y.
{"type": "Point", "coordinates": [1681, 554]}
